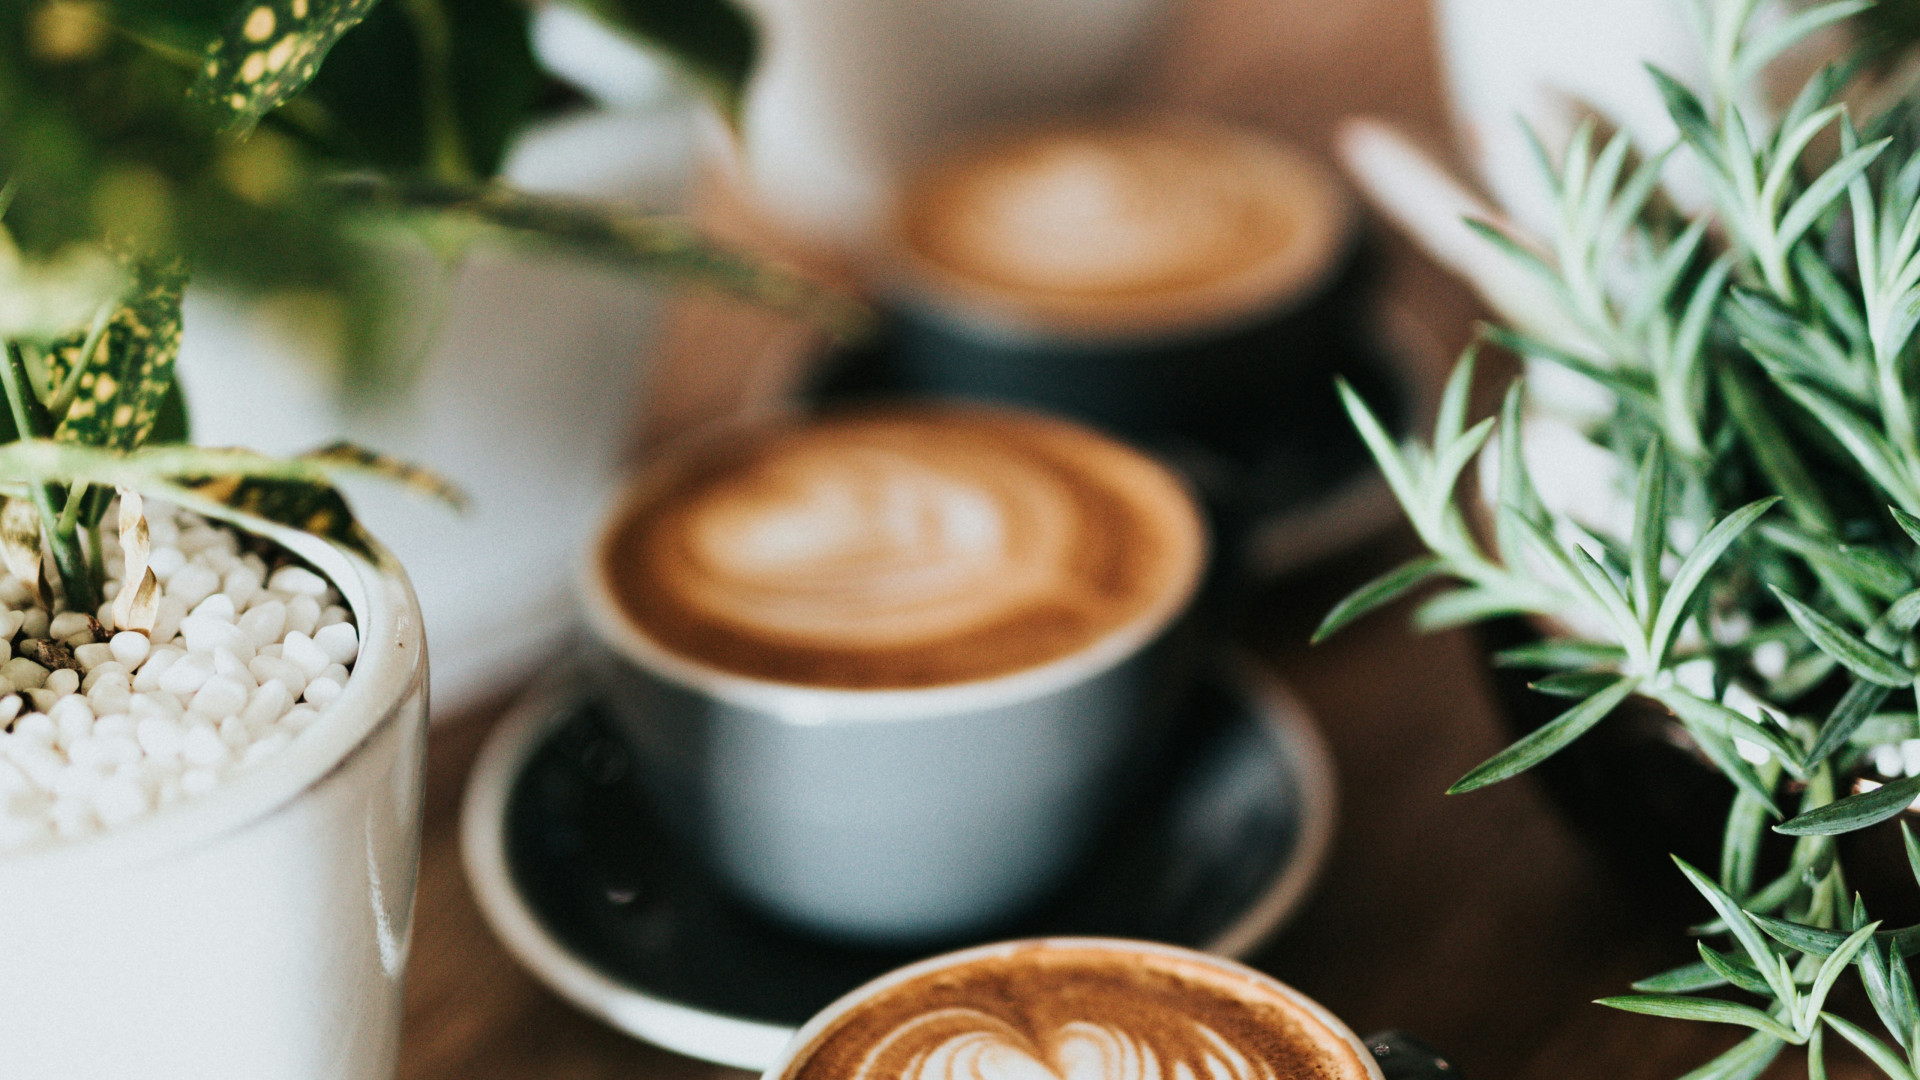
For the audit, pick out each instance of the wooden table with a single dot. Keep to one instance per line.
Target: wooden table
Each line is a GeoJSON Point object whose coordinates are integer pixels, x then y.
{"type": "Point", "coordinates": [1477, 921]}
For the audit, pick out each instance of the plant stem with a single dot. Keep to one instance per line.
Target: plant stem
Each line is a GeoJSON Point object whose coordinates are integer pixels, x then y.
{"type": "Point", "coordinates": [446, 152]}
{"type": "Point", "coordinates": [69, 559]}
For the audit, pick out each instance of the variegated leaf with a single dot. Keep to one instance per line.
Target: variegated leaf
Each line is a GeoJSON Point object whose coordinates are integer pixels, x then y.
{"type": "Point", "coordinates": [270, 51]}
{"type": "Point", "coordinates": [121, 388]}
{"type": "Point", "coordinates": [316, 508]}
{"type": "Point", "coordinates": [349, 457]}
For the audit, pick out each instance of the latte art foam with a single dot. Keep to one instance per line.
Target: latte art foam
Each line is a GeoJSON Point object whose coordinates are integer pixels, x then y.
{"type": "Point", "coordinates": [1145, 225]}
{"type": "Point", "coordinates": [970, 1045]}
{"type": "Point", "coordinates": [1044, 1012]}
{"type": "Point", "coordinates": [904, 547]}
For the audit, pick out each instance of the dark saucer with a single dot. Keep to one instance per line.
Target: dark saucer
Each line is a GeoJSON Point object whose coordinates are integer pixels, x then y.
{"type": "Point", "coordinates": [584, 888]}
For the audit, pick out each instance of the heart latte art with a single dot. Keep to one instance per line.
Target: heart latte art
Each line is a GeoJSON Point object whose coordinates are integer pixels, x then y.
{"type": "Point", "coordinates": [1046, 1012]}
{"type": "Point", "coordinates": [905, 547]}
{"type": "Point", "coordinates": [961, 1044]}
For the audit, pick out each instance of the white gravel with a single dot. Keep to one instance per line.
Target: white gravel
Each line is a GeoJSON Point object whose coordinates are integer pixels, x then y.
{"type": "Point", "coordinates": [123, 724]}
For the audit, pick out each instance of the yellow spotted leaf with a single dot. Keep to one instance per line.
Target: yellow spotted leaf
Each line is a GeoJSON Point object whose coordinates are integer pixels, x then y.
{"type": "Point", "coordinates": [125, 379]}
{"type": "Point", "coordinates": [270, 51]}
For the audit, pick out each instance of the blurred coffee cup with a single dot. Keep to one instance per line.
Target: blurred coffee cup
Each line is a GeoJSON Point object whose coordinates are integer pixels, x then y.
{"type": "Point", "coordinates": [885, 669]}
{"type": "Point", "coordinates": [1186, 284]}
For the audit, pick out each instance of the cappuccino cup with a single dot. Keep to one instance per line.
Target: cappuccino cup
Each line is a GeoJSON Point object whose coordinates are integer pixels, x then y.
{"type": "Point", "coordinates": [884, 669]}
{"type": "Point", "coordinates": [1188, 285]}
{"type": "Point", "coordinates": [1089, 1009]}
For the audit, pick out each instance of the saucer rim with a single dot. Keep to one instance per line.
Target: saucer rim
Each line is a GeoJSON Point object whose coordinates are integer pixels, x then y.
{"type": "Point", "coordinates": [750, 1044]}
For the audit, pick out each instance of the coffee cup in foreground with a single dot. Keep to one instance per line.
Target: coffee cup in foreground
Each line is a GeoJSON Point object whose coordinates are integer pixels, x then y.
{"type": "Point", "coordinates": [885, 669]}
{"type": "Point", "coordinates": [1085, 1008]}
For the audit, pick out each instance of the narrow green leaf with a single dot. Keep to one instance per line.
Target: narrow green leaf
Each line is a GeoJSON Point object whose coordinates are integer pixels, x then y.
{"type": "Point", "coordinates": [1739, 923]}
{"type": "Point", "coordinates": [1575, 684]}
{"type": "Point", "coordinates": [1876, 1051]}
{"type": "Point", "coordinates": [1731, 970]}
{"type": "Point", "coordinates": [1704, 1010]}
{"type": "Point", "coordinates": [1464, 606]}
{"type": "Point", "coordinates": [1852, 710]}
{"type": "Point", "coordinates": [1913, 850]}
{"type": "Point", "coordinates": [1455, 398]}
{"type": "Point", "coordinates": [1386, 454]}
{"type": "Point", "coordinates": [1694, 569]}
{"type": "Point", "coordinates": [1908, 523]}
{"type": "Point", "coordinates": [1855, 811]}
{"type": "Point", "coordinates": [1817, 1052]}
{"type": "Point", "coordinates": [1725, 757]}
{"type": "Point", "coordinates": [1699, 712]}
{"type": "Point", "coordinates": [1683, 980]}
{"type": "Point", "coordinates": [1823, 191]}
{"type": "Point", "coordinates": [1649, 533]}
{"type": "Point", "coordinates": [1765, 46]}
{"type": "Point", "coordinates": [1746, 1061]}
{"type": "Point", "coordinates": [1449, 460]}
{"type": "Point", "coordinates": [1774, 452]}
{"type": "Point", "coordinates": [1865, 567]}
{"type": "Point", "coordinates": [1559, 654]}
{"type": "Point", "coordinates": [1548, 739]}
{"type": "Point", "coordinates": [1830, 970]}
{"type": "Point", "coordinates": [1836, 641]}
{"type": "Point", "coordinates": [270, 51]}
{"type": "Point", "coordinates": [1689, 116]}
{"type": "Point", "coordinates": [120, 388]}
{"type": "Point", "coordinates": [1377, 593]}
{"type": "Point", "coordinates": [1868, 448]}
{"type": "Point", "coordinates": [1602, 585]}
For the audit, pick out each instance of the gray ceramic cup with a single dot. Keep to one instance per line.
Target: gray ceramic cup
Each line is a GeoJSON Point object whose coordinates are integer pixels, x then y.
{"type": "Point", "coordinates": [892, 815]}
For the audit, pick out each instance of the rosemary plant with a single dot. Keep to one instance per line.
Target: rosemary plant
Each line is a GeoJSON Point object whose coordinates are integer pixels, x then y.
{"type": "Point", "coordinates": [1760, 357]}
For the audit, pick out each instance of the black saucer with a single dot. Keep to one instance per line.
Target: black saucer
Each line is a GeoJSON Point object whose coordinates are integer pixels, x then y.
{"type": "Point", "coordinates": [583, 886]}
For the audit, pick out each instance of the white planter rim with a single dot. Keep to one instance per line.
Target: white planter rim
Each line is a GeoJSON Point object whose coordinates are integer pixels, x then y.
{"type": "Point", "coordinates": [389, 670]}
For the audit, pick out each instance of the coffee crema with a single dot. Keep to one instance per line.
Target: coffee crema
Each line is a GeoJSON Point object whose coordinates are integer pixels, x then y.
{"type": "Point", "coordinates": [1122, 228]}
{"type": "Point", "coordinates": [902, 547]}
{"type": "Point", "coordinates": [1053, 1012]}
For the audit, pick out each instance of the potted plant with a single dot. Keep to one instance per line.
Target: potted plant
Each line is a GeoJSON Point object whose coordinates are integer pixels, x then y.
{"type": "Point", "coordinates": [1753, 574]}
{"type": "Point", "coordinates": [212, 706]}
{"type": "Point", "coordinates": [509, 352]}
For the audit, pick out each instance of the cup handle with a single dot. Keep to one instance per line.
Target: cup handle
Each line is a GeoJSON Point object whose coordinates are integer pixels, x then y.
{"type": "Point", "coordinates": [1403, 1057]}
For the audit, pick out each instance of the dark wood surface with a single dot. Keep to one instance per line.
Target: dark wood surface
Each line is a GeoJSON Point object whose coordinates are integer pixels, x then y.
{"type": "Point", "coordinates": [1480, 922]}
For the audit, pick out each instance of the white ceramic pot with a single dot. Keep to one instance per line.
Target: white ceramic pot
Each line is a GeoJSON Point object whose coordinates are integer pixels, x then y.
{"type": "Point", "coordinates": [529, 399]}
{"type": "Point", "coordinates": [848, 91]}
{"type": "Point", "coordinates": [258, 933]}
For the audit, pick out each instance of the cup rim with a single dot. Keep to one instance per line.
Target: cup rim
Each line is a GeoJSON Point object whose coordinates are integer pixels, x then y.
{"type": "Point", "coordinates": [389, 672]}
{"type": "Point", "coordinates": [811, 1031]}
{"type": "Point", "coordinates": [820, 705]}
{"type": "Point", "coordinates": [1272, 288]}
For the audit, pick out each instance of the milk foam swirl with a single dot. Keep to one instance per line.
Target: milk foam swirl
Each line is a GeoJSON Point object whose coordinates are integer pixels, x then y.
{"type": "Point", "coordinates": [962, 1044]}
{"type": "Point", "coordinates": [903, 547]}
{"type": "Point", "coordinates": [876, 545]}
{"type": "Point", "coordinates": [1058, 1011]}
{"type": "Point", "coordinates": [1125, 224]}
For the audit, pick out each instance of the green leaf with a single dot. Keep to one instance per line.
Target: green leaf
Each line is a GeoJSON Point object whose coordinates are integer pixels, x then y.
{"type": "Point", "coordinates": [1377, 593]}
{"type": "Point", "coordinates": [1694, 569]}
{"type": "Point", "coordinates": [1746, 1061]}
{"type": "Point", "coordinates": [1682, 980]}
{"type": "Point", "coordinates": [1868, 568]}
{"type": "Point", "coordinates": [1773, 451]}
{"type": "Point", "coordinates": [1761, 50]}
{"type": "Point", "coordinates": [1739, 923]}
{"type": "Point", "coordinates": [1607, 591]}
{"type": "Point", "coordinates": [1560, 654]}
{"type": "Point", "coordinates": [1855, 811]}
{"type": "Point", "coordinates": [1548, 739]}
{"type": "Point", "coordinates": [1876, 1051]}
{"type": "Point", "coordinates": [1452, 421]}
{"type": "Point", "coordinates": [1704, 1010]}
{"type": "Point", "coordinates": [1831, 968]}
{"type": "Point", "coordinates": [1913, 850]}
{"type": "Point", "coordinates": [1575, 684]}
{"type": "Point", "coordinates": [1836, 641]}
{"type": "Point", "coordinates": [1852, 710]}
{"type": "Point", "coordinates": [1689, 116]}
{"type": "Point", "coordinates": [644, 243]}
{"type": "Point", "coordinates": [1449, 460]}
{"type": "Point", "coordinates": [1868, 448]}
{"type": "Point", "coordinates": [1822, 192]}
{"type": "Point", "coordinates": [270, 51]}
{"type": "Point", "coordinates": [1721, 751]}
{"type": "Point", "coordinates": [714, 41]}
{"type": "Point", "coordinates": [1731, 970]}
{"type": "Point", "coordinates": [120, 390]}
{"type": "Point", "coordinates": [1463, 606]}
{"type": "Point", "coordinates": [1649, 533]}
